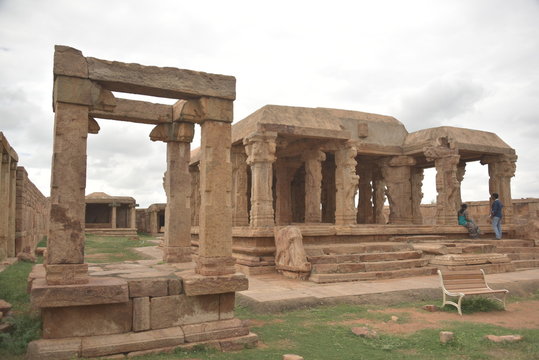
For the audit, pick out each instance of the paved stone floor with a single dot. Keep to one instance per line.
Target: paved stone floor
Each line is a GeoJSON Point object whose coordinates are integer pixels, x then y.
{"type": "Point", "coordinates": [273, 292]}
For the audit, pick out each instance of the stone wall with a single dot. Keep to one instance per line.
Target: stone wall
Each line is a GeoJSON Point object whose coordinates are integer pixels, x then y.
{"type": "Point", "coordinates": [8, 167]}
{"type": "Point", "coordinates": [32, 214]}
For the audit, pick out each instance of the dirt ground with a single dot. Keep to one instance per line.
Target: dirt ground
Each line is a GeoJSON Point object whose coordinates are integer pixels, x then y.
{"type": "Point", "coordinates": [517, 316]}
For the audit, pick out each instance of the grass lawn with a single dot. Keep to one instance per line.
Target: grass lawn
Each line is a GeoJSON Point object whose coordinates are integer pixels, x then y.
{"type": "Point", "coordinates": [107, 249]}
{"type": "Point", "coordinates": [322, 333]}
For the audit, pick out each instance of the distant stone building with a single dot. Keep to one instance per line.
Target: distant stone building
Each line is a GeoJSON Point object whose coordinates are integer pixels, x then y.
{"type": "Point", "coordinates": [110, 215]}
{"type": "Point", "coordinates": [152, 219]}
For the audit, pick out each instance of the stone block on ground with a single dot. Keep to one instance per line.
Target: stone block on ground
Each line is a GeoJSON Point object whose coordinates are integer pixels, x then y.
{"type": "Point", "coordinates": [431, 308]}
{"type": "Point", "coordinates": [148, 287]}
{"type": "Point", "coordinates": [121, 343]}
{"type": "Point", "coordinates": [292, 357]}
{"type": "Point", "coordinates": [195, 284]}
{"type": "Point", "coordinates": [504, 338]}
{"type": "Point", "coordinates": [54, 349]}
{"type": "Point", "coordinates": [214, 330]}
{"type": "Point", "coordinates": [63, 322]}
{"type": "Point", "coordinates": [5, 307]}
{"type": "Point", "coordinates": [365, 332]}
{"type": "Point", "coordinates": [141, 314]}
{"type": "Point", "coordinates": [176, 310]}
{"type": "Point", "coordinates": [446, 336]}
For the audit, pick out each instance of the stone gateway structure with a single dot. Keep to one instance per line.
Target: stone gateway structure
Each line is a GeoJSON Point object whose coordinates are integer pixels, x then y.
{"type": "Point", "coordinates": [199, 299]}
{"type": "Point", "coordinates": [110, 215]}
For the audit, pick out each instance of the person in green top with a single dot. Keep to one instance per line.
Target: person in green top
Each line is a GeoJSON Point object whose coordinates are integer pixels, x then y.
{"type": "Point", "coordinates": [465, 220]}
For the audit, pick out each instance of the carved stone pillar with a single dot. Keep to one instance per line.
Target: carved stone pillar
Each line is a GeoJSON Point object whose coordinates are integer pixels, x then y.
{"type": "Point", "coordinates": [4, 201]}
{"type": "Point", "coordinates": [416, 179]}
{"type": "Point", "coordinates": [260, 149]}
{"type": "Point", "coordinates": [378, 195]}
{"type": "Point", "coordinates": [284, 173]}
{"type": "Point", "coordinates": [65, 248]}
{"type": "Point", "coordinates": [215, 234]}
{"type": "Point", "coordinates": [364, 206]}
{"type": "Point", "coordinates": [195, 194]}
{"type": "Point", "coordinates": [133, 217]}
{"type": "Point", "coordinates": [346, 182]}
{"type": "Point", "coordinates": [113, 215]}
{"type": "Point", "coordinates": [501, 169]}
{"type": "Point", "coordinates": [313, 185]}
{"type": "Point", "coordinates": [461, 170]}
{"type": "Point", "coordinates": [397, 173]}
{"type": "Point", "coordinates": [178, 136]}
{"type": "Point", "coordinates": [240, 215]}
{"type": "Point", "coordinates": [445, 160]}
{"type": "Point", "coordinates": [12, 208]}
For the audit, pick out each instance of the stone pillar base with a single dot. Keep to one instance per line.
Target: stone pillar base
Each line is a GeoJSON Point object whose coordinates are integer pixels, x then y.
{"type": "Point", "coordinates": [67, 274]}
{"type": "Point", "coordinates": [213, 266]}
{"type": "Point", "coordinates": [177, 254]}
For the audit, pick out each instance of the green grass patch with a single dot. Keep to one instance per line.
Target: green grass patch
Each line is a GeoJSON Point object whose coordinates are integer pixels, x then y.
{"type": "Point", "coordinates": [474, 304]}
{"type": "Point", "coordinates": [26, 322]}
{"type": "Point", "coordinates": [106, 249]}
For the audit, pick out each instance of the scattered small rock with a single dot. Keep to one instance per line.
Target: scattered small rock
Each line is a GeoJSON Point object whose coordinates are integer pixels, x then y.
{"type": "Point", "coordinates": [5, 307]}
{"type": "Point", "coordinates": [365, 332]}
{"type": "Point", "coordinates": [394, 318]}
{"type": "Point", "coordinates": [446, 336]}
{"type": "Point", "coordinates": [431, 308]}
{"type": "Point", "coordinates": [24, 256]}
{"type": "Point", "coordinates": [504, 338]}
{"type": "Point", "coordinates": [5, 327]}
{"type": "Point", "coordinates": [292, 357]}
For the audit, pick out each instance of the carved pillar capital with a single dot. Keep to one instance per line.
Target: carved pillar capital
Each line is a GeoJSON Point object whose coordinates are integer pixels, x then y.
{"type": "Point", "coordinates": [260, 147]}
{"type": "Point", "coordinates": [180, 131]}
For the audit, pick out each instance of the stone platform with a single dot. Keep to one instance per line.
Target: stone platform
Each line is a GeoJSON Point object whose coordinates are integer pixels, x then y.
{"type": "Point", "coordinates": [137, 307]}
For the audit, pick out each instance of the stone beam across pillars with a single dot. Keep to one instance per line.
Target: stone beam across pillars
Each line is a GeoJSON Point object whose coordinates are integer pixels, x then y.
{"type": "Point", "coordinates": [501, 169]}
{"type": "Point", "coordinates": [215, 231]}
{"type": "Point", "coordinates": [346, 183]}
{"type": "Point", "coordinates": [396, 172]}
{"type": "Point", "coordinates": [313, 185]}
{"type": "Point", "coordinates": [178, 136]}
{"type": "Point", "coordinates": [260, 149]}
{"type": "Point", "coordinates": [446, 159]}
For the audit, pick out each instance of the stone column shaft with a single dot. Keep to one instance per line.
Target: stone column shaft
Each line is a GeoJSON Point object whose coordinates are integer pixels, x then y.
{"type": "Point", "coordinates": [313, 185]}
{"type": "Point", "coordinates": [4, 204]}
{"type": "Point", "coordinates": [284, 173]}
{"type": "Point", "coordinates": [113, 216]}
{"type": "Point", "coordinates": [396, 172]}
{"type": "Point", "coordinates": [133, 218]}
{"type": "Point", "coordinates": [215, 234]}
{"type": "Point", "coordinates": [416, 179]}
{"type": "Point", "coordinates": [501, 169]}
{"type": "Point", "coordinates": [260, 149]}
{"type": "Point", "coordinates": [65, 248]}
{"type": "Point", "coordinates": [239, 187]}
{"type": "Point", "coordinates": [346, 183]}
{"type": "Point", "coordinates": [365, 206]}
{"type": "Point", "coordinates": [12, 208]}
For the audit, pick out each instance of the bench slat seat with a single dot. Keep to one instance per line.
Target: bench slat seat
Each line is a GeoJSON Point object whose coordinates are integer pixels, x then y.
{"type": "Point", "coordinates": [462, 283]}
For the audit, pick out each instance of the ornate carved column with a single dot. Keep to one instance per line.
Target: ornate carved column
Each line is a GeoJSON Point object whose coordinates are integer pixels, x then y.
{"type": "Point", "coordinates": [397, 173]}
{"type": "Point", "coordinates": [416, 179]}
{"type": "Point", "coordinates": [461, 170]}
{"type": "Point", "coordinates": [195, 194]}
{"type": "Point", "coordinates": [446, 159]}
{"type": "Point", "coordinates": [260, 149]}
{"type": "Point", "coordinates": [501, 169]}
{"type": "Point", "coordinates": [178, 136]}
{"type": "Point", "coordinates": [364, 206]}
{"type": "Point", "coordinates": [313, 185]}
{"type": "Point", "coordinates": [240, 215]}
{"type": "Point", "coordinates": [284, 173]}
{"type": "Point", "coordinates": [346, 183]}
{"type": "Point", "coordinates": [378, 195]}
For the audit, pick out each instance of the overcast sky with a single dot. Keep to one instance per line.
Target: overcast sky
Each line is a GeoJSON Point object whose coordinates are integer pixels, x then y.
{"type": "Point", "coordinates": [462, 63]}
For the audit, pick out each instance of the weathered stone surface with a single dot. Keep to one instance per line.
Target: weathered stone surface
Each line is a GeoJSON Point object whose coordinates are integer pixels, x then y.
{"type": "Point", "coordinates": [239, 343]}
{"type": "Point", "coordinates": [63, 322]}
{"type": "Point", "coordinates": [54, 349]}
{"type": "Point", "coordinates": [226, 305]}
{"type": "Point", "coordinates": [290, 254]}
{"type": "Point", "coordinates": [136, 111]}
{"type": "Point", "coordinates": [470, 259]}
{"type": "Point", "coordinates": [292, 357]}
{"type": "Point", "coordinates": [175, 287]}
{"type": "Point", "coordinates": [176, 310]}
{"type": "Point", "coordinates": [97, 291]}
{"type": "Point", "coordinates": [141, 313]}
{"type": "Point", "coordinates": [122, 343]}
{"type": "Point", "coordinates": [504, 338]}
{"type": "Point", "coordinates": [66, 274]}
{"type": "Point", "coordinates": [148, 287]}
{"type": "Point", "coordinates": [5, 307]}
{"type": "Point", "coordinates": [446, 336]}
{"type": "Point", "coordinates": [214, 330]}
{"type": "Point", "coordinates": [161, 82]}
{"type": "Point", "coordinates": [69, 62]}
{"type": "Point", "coordinates": [195, 284]}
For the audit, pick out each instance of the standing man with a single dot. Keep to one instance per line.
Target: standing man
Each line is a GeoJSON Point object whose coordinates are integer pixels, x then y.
{"type": "Point", "coordinates": [496, 216]}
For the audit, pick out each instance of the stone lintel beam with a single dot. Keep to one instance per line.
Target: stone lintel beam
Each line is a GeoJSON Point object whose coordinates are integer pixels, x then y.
{"type": "Point", "coordinates": [401, 161]}
{"type": "Point", "coordinates": [73, 90]}
{"type": "Point", "coordinates": [158, 81]}
{"type": "Point", "coordinates": [136, 111]}
{"type": "Point", "coordinates": [306, 132]}
{"type": "Point", "coordinates": [195, 284]}
{"type": "Point", "coordinates": [7, 149]}
{"type": "Point", "coordinates": [96, 291]}
{"type": "Point", "coordinates": [490, 159]}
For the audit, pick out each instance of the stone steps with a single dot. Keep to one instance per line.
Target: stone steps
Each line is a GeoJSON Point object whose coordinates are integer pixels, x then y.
{"type": "Point", "coordinates": [372, 275]}
{"type": "Point", "coordinates": [509, 250]}
{"type": "Point", "coordinates": [354, 258]}
{"type": "Point", "coordinates": [523, 256]}
{"type": "Point", "coordinates": [525, 264]}
{"type": "Point", "coordinates": [360, 248]}
{"type": "Point", "coordinates": [488, 268]}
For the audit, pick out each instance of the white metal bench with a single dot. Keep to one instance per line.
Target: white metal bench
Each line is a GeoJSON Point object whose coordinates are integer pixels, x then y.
{"type": "Point", "coordinates": [468, 282]}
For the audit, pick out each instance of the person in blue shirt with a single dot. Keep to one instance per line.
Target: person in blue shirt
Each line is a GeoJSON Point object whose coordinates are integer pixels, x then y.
{"type": "Point", "coordinates": [496, 216]}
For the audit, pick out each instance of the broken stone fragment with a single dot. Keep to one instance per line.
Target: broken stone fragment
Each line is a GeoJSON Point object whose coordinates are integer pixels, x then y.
{"type": "Point", "coordinates": [365, 332]}
{"type": "Point", "coordinates": [292, 357]}
{"type": "Point", "coordinates": [431, 308]}
{"type": "Point", "coordinates": [5, 307]}
{"type": "Point", "coordinates": [504, 338]}
{"type": "Point", "coordinates": [446, 336]}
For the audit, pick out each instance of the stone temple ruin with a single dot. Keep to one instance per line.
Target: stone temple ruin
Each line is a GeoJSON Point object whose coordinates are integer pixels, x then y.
{"type": "Point", "coordinates": [110, 215]}
{"type": "Point", "coordinates": [155, 308]}
{"type": "Point", "coordinates": [294, 191]}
